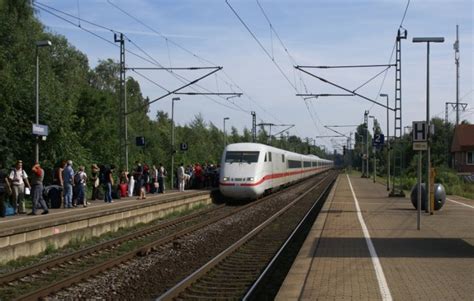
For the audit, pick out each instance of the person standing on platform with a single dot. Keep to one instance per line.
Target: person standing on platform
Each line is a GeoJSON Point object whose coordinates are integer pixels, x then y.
{"type": "Point", "coordinates": [198, 176]}
{"type": "Point", "coordinates": [154, 179]}
{"type": "Point", "coordinates": [181, 177]}
{"type": "Point", "coordinates": [58, 178]}
{"type": "Point", "coordinates": [5, 189]}
{"type": "Point", "coordinates": [37, 183]}
{"type": "Point", "coordinates": [81, 186]}
{"type": "Point", "coordinates": [131, 184]}
{"type": "Point", "coordinates": [108, 182]}
{"type": "Point", "coordinates": [139, 181]}
{"type": "Point", "coordinates": [68, 182]}
{"type": "Point", "coordinates": [161, 178]}
{"type": "Point", "coordinates": [19, 180]}
{"type": "Point", "coordinates": [95, 182]}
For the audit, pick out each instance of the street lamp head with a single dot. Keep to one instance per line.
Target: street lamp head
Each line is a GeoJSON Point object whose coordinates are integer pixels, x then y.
{"type": "Point", "coordinates": [45, 43]}
{"type": "Point", "coordinates": [384, 95]}
{"type": "Point", "coordinates": [428, 40]}
{"type": "Point", "coordinates": [175, 98]}
{"type": "Point", "coordinates": [226, 118]}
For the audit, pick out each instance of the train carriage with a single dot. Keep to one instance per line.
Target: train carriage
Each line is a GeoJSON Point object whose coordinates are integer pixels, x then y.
{"type": "Point", "coordinates": [248, 170]}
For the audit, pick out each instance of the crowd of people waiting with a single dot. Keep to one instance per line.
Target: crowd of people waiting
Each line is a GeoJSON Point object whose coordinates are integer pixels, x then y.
{"type": "Point", "coordinates": [69, 188]}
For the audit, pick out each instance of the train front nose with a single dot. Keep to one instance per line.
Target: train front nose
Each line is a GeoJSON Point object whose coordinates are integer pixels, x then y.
{"type": "Point", "coordinates": [236, 191]}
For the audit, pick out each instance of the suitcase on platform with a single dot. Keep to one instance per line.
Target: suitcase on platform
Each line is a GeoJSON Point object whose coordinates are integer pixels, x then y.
{"type": "Point", "coordinates": [9, 210]}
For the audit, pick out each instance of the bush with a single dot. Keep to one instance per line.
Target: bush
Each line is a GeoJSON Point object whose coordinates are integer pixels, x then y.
{"type": "Point", "coordinates": [454, 189]}
{"type": "Point", "coordinates": [447, 177]}
{"type": "Point", "coordinates": [408, 182]}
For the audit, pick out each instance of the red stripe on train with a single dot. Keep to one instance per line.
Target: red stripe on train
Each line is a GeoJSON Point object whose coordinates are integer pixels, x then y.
{"type": "Point", "coordinates": [272, 176]}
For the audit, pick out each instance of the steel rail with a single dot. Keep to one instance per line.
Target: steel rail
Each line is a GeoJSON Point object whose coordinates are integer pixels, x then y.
{"type": "Point", "coordinates": [6, 278]}
{"type": "Point", "coordinates": [293, 234]}
{"type": "Point", "coordinates": [175, 291]}
{"type": "Point", "coordinates": [139, 251]}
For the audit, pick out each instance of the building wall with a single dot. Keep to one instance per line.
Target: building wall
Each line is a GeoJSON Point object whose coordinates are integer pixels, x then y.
{"type": "Point", "coordinates": [460, 163]}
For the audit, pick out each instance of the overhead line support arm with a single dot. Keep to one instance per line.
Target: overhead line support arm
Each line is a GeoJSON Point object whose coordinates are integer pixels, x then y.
{"type": "Point", "coordinates": [335, 131]}
{"type": "Point", "coordinates": [171, 68]}
{"type": "Point", "coordinates": [342, 88]}
{"type": "Point", "coordinates": [178, 89]}
{"type": "Point", "coordinates": [209, 93]}
{"type": "Point", "coordinates": [347, 66]}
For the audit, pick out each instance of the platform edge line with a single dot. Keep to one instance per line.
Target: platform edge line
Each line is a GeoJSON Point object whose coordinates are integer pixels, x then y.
{"type": "Point", "coordinates": [384, 289]}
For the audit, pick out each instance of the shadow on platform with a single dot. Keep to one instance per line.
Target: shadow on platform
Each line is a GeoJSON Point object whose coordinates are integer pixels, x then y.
{"type": "Point", "coordinates": [395, 247]}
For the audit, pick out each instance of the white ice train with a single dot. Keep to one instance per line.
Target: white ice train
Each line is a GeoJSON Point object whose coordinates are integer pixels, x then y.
{"type": "Point", "coordinates": [248, 170]}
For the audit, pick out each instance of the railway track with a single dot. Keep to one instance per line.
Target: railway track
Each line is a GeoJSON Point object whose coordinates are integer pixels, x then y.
{"type": "Point", "coordinates": [242, 270]}
{"type": "Point", "coordinates": [45, 274]}
{"type": "Point", "coordinates": [42, 279]}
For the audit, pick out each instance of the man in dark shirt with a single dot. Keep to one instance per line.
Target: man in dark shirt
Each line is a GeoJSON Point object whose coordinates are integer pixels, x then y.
{"type": "Point", "coordinates": [5, 189]}
{"type": "Point", "coordinates": [139, 181]}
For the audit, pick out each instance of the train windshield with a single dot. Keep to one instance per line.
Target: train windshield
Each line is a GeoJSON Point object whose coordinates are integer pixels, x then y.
{"type": "Point", "coordinates": [241, 157]}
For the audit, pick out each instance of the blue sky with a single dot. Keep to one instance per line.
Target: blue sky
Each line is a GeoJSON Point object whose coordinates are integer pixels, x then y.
{"type": "Point", "coordinates": [338, 32]}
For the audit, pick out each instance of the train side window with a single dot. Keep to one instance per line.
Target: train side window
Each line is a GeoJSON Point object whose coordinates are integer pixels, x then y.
{"type": "Point", "coordinates": [283, 158]}
{"type": "Point", "coordinates": [265, 158]}
{"type": "Point", "coordinates": [270, 156]}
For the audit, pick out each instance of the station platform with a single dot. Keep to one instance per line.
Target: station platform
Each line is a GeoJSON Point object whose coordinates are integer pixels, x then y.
{"type": "Point", "coordinates": [366, 246]}
{"type": "Point", "coordinates": [25, 235]}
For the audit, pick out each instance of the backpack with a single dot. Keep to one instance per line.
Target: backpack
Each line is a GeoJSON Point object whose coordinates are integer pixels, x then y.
{"type": "Point", "coordinates": [102, 175]}
{"type": "Point", "coordinates": [77, 178]}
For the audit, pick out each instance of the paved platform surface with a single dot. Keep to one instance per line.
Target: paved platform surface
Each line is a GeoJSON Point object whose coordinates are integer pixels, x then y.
{"type": "Point", "coordinates": [12, 224]}
{"type": "Point", "coordinates": [336, 262]}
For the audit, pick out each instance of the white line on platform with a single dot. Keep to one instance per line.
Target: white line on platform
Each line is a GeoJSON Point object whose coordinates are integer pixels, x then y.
{"type": "Point", "coordinates": [460, 203]}
{"type": "Point", "coordinates": [384, 290]}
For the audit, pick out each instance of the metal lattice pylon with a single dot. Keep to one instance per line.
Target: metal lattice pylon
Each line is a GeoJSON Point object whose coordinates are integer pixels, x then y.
{"type": "Point", "coordinates": [254, 127]}
{"type": "Point", "coordinates": [398, 164]}
{"type": "Point", "coordinates": [123, 123]}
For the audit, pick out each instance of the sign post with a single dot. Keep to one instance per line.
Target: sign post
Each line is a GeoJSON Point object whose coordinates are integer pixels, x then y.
{"type": "Point", "coordinates": [40, 130]}
{"type": "Point", "coordinates": [420, 144]}
{"type": "Point", "coordinates": [432, 192]}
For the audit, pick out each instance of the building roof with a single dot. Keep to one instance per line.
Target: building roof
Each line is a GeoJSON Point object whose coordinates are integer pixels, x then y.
{"type": "Point", "coordinates": [463, 139]}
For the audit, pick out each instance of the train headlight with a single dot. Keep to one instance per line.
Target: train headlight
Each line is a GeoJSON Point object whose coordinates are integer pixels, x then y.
{"type": "Point", "coordinates": [225, 179]}
{"type": "Point", "coordinates": [250, 179]}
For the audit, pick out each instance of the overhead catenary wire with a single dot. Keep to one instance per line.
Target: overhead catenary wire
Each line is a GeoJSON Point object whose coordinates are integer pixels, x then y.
{"type": "Point", "coordinates": [261, 45]}
{"type": "Point", "coordinates": [168, 91]}
{"type": "Point", "coordinates": [202, 59]}
{"type": "Point", "coordinates": [150, 59]}
{"type": "Point", "coordinates": [391, 54]}
{"type": "Point", "coordinates": [185, 80]}
{"type": "Point", "coordinates": [293, 61]}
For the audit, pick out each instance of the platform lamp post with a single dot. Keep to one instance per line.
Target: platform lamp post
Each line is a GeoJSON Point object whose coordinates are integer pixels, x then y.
{"type": "Point", "coordinates": [373, 148]}
{"type": "Point", "coordinates": [172, 138]}
{"type": "Point", "coordinates": [45, 43]}
{"type": "Point", "coordinates": [225, 134]}
{"type": "Point", "coordinates": [428, 40]}
{"type": "Point", "coordinates": [388, 144]}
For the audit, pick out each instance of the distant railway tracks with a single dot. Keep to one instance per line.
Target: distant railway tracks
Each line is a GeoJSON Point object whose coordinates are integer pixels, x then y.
{"type": "Point", "coordinates": [174, 250]}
